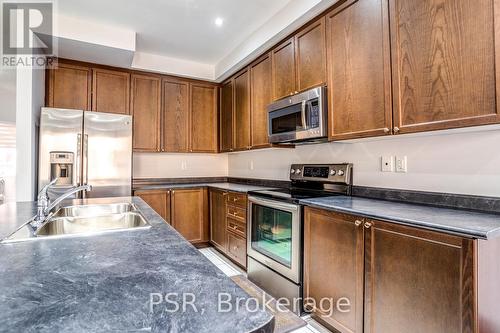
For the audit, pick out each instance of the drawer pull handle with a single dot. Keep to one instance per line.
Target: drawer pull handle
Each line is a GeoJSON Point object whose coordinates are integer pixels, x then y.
{"type": "Point", "coordinates": [358, 223]}
{"type": "Point", "coordinates": [368, 225]}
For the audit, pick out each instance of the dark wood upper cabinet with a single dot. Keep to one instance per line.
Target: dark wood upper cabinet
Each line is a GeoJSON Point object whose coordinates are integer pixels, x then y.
{"type": "Point", "coordinates": [189, 214]}
{"type": "Point", "coordinates": [418, 281]}
{"type": "Point", "coordinates": [110, 91]}
{"type": "Point", "coordinates": [69, 87]}
{"type": "Point", "coordinates": [218, 219]}
{"type": "Point", "coordinates": [444, 63]}
{"type": "Point", "coordinates": [359, 70]}
{"type": "Point", "coordinates": [261, 96]}
{"type": "Point", "coordinates": [283, 63]}
{"type": "Point", "coordinates": [310, 50]}
{"type": "Point", "coordinates": [226, 116]}
{"type": "Point", "coordinates": [333, 248]}
{"type": "Point", "coordinates": [242, 111]}
{"type": "Point", "coordinates": [146, 109]}
{"type": "Point", "coordinates": [204, 118]}
{"type": "Point", "coordinates": [175, 115]}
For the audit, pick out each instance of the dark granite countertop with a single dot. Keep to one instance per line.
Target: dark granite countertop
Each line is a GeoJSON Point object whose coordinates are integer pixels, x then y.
{"type": "Point", "coordinates": [234, 187]}
{"type": "Point", "coordinates": [461, 222]}
{"type": "Point", "coordinates": [103, 282]}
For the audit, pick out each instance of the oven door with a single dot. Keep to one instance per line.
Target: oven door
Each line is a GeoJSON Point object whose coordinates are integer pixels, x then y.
{"type": "Point", "coordinates": [274, 236]}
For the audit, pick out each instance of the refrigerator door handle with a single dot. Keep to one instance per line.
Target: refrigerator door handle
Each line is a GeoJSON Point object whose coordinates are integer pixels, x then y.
{"type": "Point", "coordinates": [78, 160]}
{"type": "Point", "coordinates": [85, 159]}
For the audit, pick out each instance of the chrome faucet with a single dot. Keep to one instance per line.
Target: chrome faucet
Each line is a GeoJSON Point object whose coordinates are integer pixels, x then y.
{"type": "Point", "coordinates": [44, 206]}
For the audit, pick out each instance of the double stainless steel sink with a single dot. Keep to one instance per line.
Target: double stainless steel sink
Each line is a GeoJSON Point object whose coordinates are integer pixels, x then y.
{"type": "Point", "coordinates": [84, 220]}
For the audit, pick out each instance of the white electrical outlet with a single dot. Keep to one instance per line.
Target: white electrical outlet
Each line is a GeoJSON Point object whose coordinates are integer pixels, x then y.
{"type": "Point", "coordinates": [250, 165]}
{"type": "Point", "coordinates": [401, 164]}
{"type": "Point", "coordinates": [184, 165]}
{"type": "Point", "coordinates": [387, 163]}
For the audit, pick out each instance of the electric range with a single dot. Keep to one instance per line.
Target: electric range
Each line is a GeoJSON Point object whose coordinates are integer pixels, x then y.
{"type": "Point", "coordinates": [275, 232]}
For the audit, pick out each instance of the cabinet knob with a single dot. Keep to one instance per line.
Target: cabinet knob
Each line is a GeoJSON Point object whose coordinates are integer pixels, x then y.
{"type": "Point", "coordinates": [368, 225]}
{"type": "Point", "coordinates": [386, 130]}
{"type": "Point", "coordinates": [357, 223]}
{"type": "Point", "coordinates": [396, 129]}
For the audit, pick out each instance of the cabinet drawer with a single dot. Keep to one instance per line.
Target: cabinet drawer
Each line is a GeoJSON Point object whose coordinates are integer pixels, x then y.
{"type": "Point", "coordinates": [237, 213]}
{"type": "Point", "coordinates": [237, 199]}
{"type": "Point", "coordinates": [237, 248]}
{"type": "Point", "coordinates": [237, 227]}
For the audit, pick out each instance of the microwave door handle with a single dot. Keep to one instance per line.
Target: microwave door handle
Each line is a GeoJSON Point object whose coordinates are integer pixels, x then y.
{"type": "Point", "coordinates": [304, 107]}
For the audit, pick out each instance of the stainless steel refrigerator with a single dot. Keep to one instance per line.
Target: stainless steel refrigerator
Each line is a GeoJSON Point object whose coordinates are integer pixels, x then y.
{"type": "Point", "coordinates": [82, 147]}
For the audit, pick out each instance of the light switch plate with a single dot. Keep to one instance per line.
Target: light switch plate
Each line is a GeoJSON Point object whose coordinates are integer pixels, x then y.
{"type": "Point", "coordinates": [401, 164]}
{"type": "Point", "coordinates": [387, 163]}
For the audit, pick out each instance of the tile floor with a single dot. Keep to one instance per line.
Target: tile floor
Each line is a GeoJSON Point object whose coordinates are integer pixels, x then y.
{"type": "Point", "coordinates": [231, 270]}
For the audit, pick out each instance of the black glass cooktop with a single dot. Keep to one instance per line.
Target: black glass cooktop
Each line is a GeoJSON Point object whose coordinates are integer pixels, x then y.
{"type": "Point", "coordinates": [292, 194]}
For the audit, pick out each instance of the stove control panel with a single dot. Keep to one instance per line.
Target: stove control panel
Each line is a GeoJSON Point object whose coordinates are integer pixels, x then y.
{"type": "Point", "coordinates": [330, 173]}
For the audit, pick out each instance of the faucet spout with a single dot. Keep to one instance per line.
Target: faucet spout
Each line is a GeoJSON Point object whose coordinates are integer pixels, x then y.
{"type": "Point", "coordinates": [45, 206]}
{"type": "Point", "coordinates": [66, 195]}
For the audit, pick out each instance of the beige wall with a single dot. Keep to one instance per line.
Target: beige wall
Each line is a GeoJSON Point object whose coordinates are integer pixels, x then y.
{"type": "Point", "coordinates": [149, 165]}
{"type": "Point", "coordinates": [467, 163]}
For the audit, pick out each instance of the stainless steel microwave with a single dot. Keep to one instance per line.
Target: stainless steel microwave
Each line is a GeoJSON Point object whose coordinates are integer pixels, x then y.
{"type": "Point", "coordinates": [299, 118]}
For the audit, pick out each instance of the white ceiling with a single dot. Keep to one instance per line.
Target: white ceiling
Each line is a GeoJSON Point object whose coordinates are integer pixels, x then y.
{"type": "Point", "coordinates": [181, 29]}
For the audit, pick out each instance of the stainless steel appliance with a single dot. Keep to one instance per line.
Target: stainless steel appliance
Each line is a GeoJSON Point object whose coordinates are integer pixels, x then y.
{"type": "Point", "coordinates": [275, 232]}
{"type": "Point", "coordinates": [299, 118]}
{"type": "Point", "coordinates": [81, 147]}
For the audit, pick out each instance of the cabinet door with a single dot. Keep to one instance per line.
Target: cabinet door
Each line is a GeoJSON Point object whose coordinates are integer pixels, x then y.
{"type": "Point", "coordinates": [69, 87]}
{"type": "Point", "coordinates": [203, 118]}
{"type": "Point", "coordinates": [226, 117]}
{"type": "Point", "coordinates": [190, 214]}
{"type": "Point", "coordinates": [175, 116]}
{"type": "Point", "coordinates": [110, 91]}
{"type": "Point", "coordinates": [218, 219]}
{"type": "Point", "coordinates": [146, 110]}
{"type": "Point", "coordinates": [359, 80]}
{"type": "Point", "coordinates": [311, 55]}
{"type": "Point", "coordinates": [261, 97]}
{"type": "Point", "coordinates": [333, 266]}
{"type": "Point", "coordinates": [283, 57]}
{"type": "Point", "coordinates": [443, 63]}
{"type": "Point", "coordinates": [242, 111]}
{"type": "Point", "coordinates": [417, 281]}
{"type": "Point", "coordinates": [158, 200]}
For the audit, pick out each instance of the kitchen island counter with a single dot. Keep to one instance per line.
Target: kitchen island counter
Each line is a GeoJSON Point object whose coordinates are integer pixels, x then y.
{"type": "Point", "coordinates": [117, 281]}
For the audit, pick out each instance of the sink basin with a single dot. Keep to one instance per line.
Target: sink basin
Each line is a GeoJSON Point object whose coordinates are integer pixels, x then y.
{"type": "Point", "coordinates": [87, 219]}
{"type": "Point", "coordinates": [94, 210]}
{"type": "Point", "coordinates": [68, 225]}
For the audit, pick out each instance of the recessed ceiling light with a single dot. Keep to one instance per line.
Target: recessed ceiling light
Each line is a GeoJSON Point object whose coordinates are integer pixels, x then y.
{"type": "Point", "coordinates": [219, 21]}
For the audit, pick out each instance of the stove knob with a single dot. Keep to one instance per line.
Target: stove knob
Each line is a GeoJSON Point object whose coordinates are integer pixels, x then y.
{"type": "Point", "coordinates": [341, 173]}
{"type": "Point", "coordinates": [298, 171]}
{"type": "Point", "coordinates": [292, 171]}
{"type": "Point", "coordinates": [332, 172]}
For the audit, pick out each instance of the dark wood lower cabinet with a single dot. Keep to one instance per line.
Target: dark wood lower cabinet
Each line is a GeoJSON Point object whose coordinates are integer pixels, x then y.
{"type": "Point", "coordinates": [159, 200]}
{"type": "Point", "coordinates": [218, 219]}
{"type": "Point", "coordinates": [333, 266]}
{"type": "Point", "coordinates": [228, 228]}
{"type": "Point", "coordinates": [190, 214]}
{"type": "Point", "coordinates": [417, 281]}
{"type": "Point", "coordinates": [398, 278]}
{"type": "Point", "coordinates": [237, 248]}
{"type": "Point", "coordinates": [185, 209]}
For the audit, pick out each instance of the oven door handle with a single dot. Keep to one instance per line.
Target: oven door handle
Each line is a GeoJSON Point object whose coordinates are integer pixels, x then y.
{"type": "Point", "coordinates": [274, 204]}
